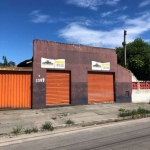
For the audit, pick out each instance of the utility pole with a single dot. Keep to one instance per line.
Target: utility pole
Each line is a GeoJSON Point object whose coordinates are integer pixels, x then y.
{"type": "Point", "coordinates": [124, 46]}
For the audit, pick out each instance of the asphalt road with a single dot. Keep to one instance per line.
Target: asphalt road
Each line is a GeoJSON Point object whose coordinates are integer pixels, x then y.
{"type": "Point", "coordinates": [129, 135]}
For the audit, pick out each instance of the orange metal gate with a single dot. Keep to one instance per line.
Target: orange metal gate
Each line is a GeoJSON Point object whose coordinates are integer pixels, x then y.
{"type": "Point", "coordinates": [57, 88]}
{"type": "Point", "coordinates": [100, 88]}
{"type": "Point", "coordinates": [15, 89]}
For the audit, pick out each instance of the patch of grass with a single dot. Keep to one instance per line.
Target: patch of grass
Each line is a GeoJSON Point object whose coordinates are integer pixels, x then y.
{"type": "Point", "coordinates": [121, 109]}
{"type": "Point", "coordinates": [143, 111]}
{"type": "Point", "coordinates": [69, 122]}
{"type": "Point", "coordinates": [140, 112]}
{"type": "Point", "coordinates": [34, 129]}
{"type": "Point", "coordinates": [115, 120]}
{"type": "Point", "coordinates": [47, 126]}
{"type": "Point", "coordinates": [28, 131]}
{"type": "Point", "coordinates": [54, 118]}
{"type": "Point", "coordinates": [1, 134]}
{"type": "Point", "coordinates": [17, 130]}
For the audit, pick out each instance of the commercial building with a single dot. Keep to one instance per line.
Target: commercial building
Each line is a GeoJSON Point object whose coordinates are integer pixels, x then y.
{"type": "Point", "coordinates": [69, 74]}
{"type": "Point", "coordinates": [77, 74]}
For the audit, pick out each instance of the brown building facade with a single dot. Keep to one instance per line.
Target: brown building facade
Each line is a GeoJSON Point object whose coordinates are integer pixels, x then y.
{"type": "Point", "coordinates": [78, 81]}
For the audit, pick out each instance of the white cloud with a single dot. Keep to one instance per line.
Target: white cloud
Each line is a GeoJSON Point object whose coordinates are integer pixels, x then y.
{"type": "Point", "coordinates": [92, 4]}
{"type": "Point", "coordinates": [104, 14]}
{"type": "Point", "coordinates": [80, 34]}
{"type": "Point", "coordinates": [79, 20]}
{"type": "Point", "coordinates": [144, 3]}
{"type": "Point", "coordinates": [122, 17]}
{"type": "Point", "coordinates": [125, 7]}
{"type": "Point", "coordinates": [112, 2]}
{"type": "Point", "coordinates": [108, 13]}
{"type": "Point", "coordinates": [37, 17]}
{"type": "Point", "coordinates": [82, 21]}
{"type": "Point", "coordinates": [107, 22]}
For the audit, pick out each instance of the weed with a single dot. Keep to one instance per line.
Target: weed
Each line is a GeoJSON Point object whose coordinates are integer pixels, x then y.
{"type": "Point", "coordinates": [17, 130]}
{"type": "Point", "coordinates": [143, 111]}
{"type": "Point", "coordinates": [47, 126]}
{"type": "Point", "coordinates": [69, 122]}
{"type": "Point", "coordinates": [116, 120]}
{"type": "Point", "coordinates": [134, 113]}
{"type": "Point", "coordinates": [121, 109]}
{"type": "Point", "coordinates": [54, 118]}
{"type": "Point", "coordinates": [34, 129]}
{"type": "Point", "coordinates": [28, 131]}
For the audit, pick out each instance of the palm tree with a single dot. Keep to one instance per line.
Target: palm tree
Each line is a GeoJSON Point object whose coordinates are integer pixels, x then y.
{"type": "Point", "coordinates": [6, 63]}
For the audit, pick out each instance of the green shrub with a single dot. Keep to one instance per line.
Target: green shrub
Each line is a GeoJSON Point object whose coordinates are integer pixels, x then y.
{"type": "Point", "coordinates": [140, 111]}
{"type": "Point", "coordinates": [34, 129]}
{"type": "Point", "coordinates": [17, 130]}
{"type": "Point", "coordinates": [143, 111]}
{"type": "Point", "coordinates": [47, 126]}
{"type": "Point", "coordinates": [121, 109]}
{"type": "Point", "coordinates": [28, 131]}
{"type": "Point", "coordinates": [69, 122]}
{"type": "Point", "coordinates": [54, 118]}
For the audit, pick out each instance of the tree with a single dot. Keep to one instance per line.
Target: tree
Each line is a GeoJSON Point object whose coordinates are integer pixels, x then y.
{"type": "Point", "coordinates": [6, 63]}
{"type": "Point", "coordinates": [138, 58]}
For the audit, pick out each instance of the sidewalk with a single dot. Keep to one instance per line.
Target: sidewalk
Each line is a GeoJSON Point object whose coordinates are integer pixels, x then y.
{"type": "Point", "coordinates": [81, 115]}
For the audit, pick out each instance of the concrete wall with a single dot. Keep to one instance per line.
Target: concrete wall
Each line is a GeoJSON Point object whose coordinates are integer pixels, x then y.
{"type": "Point", "coordinates": [140, 95]}
{"type": "Point", "coordinates": [78, 60]}
{"type": "Point", "coordinates": [123, 85]}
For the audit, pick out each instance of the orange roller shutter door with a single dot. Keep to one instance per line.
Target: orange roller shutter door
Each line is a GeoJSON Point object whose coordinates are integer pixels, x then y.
{"type": "Point", "coordinates": [100, 88]}
{"type": "Point", "coordinates": [15, 89]}
{"type": "Point", "coordinates": [57, 88]}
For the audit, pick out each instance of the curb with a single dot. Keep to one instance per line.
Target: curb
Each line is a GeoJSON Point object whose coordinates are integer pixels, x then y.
{"type": "Point", "coordinates": [111, 120]}
{"type": "Point", "coordinates": [83, 124]}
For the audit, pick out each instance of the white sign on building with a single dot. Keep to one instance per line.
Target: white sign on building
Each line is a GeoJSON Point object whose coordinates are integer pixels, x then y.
{"type": "Point", "coordinates": [52, 63]}
{"type": "Point", "coordinates": [100, 66]}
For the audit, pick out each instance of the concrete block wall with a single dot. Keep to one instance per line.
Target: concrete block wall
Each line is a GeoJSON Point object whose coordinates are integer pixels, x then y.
{"type": "Point", "coordinates": [140, 95]}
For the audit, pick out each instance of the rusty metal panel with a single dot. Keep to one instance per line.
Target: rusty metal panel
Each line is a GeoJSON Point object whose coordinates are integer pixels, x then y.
{"type": "Point", "coordinates": [100, 88]}
{"type": "Point", "coordinates": [15, 89]}
{"type": "Point", "coordinates": [57, 88]}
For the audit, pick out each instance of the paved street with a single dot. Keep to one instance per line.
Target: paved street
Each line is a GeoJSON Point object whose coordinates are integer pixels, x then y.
{"type": "Point", "coordinates": [129, 135]}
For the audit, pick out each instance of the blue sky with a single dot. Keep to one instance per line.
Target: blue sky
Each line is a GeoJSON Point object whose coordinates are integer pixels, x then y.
{"type": "Point", "coordinates": [97, 23]}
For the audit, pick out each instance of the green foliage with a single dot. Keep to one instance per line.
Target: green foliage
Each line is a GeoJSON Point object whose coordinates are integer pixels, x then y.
{"type": "Point", "coordinates": [6, 63]}
{"type": "Point", "coordinates": [135, 112]}
{"type": "Point", "coordinates": [54, 118]}
{"type": "Point", "coordinates": [34, 129]}
{"type": "Point", "coordinates": [17, 130]}
{"type": "Point", "coordinates": [143, 111]}
{"type": "Point", "coordinates": [138, 58]}
{"type": "Point", "coordinates": [69, 122]}
{"type": "Point", "coordinates": [47, 126]}
{"type": "Point", "coordinates": [121, 109]}
{"type": "Point", "coordinates": [28, 131]}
